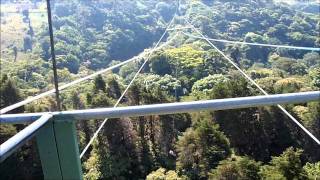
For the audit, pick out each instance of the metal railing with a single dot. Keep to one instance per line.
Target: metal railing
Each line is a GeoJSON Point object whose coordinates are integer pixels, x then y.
{"type": "Point", "coordinates": [169, 108]}
{"type": "Point", "coordinates": [56, 136]}
{"type": "Point", "coordinates": [8, 147]}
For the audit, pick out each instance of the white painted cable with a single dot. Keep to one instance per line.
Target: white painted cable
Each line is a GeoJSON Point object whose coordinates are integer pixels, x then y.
{"type": "Point", "coordinates": [31, 99]}
{"type": "Point", "coordinates": [47, 93]}
{"type": "Point", "coordinates": [254, 83]}
{"type": "Point", "coordinates": [127, 88]}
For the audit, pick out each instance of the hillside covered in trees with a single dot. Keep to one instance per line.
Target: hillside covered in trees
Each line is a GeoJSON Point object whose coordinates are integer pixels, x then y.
{"type": "Point", "coordinates": [251, 143]}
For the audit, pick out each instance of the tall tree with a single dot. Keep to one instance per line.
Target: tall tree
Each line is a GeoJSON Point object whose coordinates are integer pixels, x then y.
{"type": "Point", "coordinates": [113, 88]}
{"type": "Point", "coordinates": [147, 160]}
{"type": "Point", "coordinates": [242, 126]}
{"type": "Point", "coordinates": [200, 149]}
{"type": "Point", "coordinates": [122, 146]}
{"type": "Point", "coordinates": [287, 165]}
{"type": "Point", "coordinates": [9, 94]}
{"type": "Point", "coordinates": [15, 53]}
{"type": "Point", "coordinates": [236, 168]}
{"type": "Point", "coordinates": [18, 163]}
{"type": "Point", "coordinates": [99, 84]}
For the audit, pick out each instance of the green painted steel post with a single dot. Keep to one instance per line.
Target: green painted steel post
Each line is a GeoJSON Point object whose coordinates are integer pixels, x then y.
{"type": "Point", "coordinates": [63, 140]}
{"type": "Point", "coordinates": [68, 149]}
{"type": "Point", "coordinates": [48, 152]}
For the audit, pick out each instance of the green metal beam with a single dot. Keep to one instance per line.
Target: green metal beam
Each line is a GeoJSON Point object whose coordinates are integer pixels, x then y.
{"type": "Point", "coordinates": [68, 149]}
{"type": "Point", "coordinates": [58, 149]}
{"type": "Point", "coordinates": [48, 152]}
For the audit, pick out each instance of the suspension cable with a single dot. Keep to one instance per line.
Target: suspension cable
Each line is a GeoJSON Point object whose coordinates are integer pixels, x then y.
{"type": "Point", "coordinates": [47, 93]}
{"type": "Point", "coordinates": [127, 88]}
{"type": "Point", "coordinates": [254, 44]}
{"type": "Point", "coordinates": [255, 84]}
{"type": "Point", "coordinates": [53, 57]}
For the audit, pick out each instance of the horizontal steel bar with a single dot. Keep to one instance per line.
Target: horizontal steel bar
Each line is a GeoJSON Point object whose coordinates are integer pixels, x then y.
{"type": "Point", "coordinates": [15, 142]}
{"type": "Point", "coordinates": [171, 108]}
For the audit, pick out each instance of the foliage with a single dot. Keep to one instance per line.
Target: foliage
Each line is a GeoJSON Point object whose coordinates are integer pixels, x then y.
{"type": "Point", "coordinates": [261, 73]}
{"type": "Point", "coordinates": [288, 85]}
{"type": "Point", "coordinates": [93, 35]}
{"type": "Point", "coordinates": [288, 165]}
{"type": "Point", "coordinates": [160, 65]}
{"type": "Point", "coordinates": [312, 59]}
{"type": "Point", "coordinates": [70, 61]}
{"type": "Point", "coordinates": [312, 170]}
{"type": "Point", "coordinates": [236, 168]}
{"type": "Point", "coordinates": [118, 157]}
{"type": "Point", "coordinates": [9, 94]}
{"type": "Point", "coordinates": [165, 83]}
{"type": "Point", "coordinates": [315, 75]}
{"type": "Point", "coordinates": [114, 88]}
{"type": "Point", "coordinates": [186, 57]}
{"type": "Point", "coordinates": [200, 149]}
{"type": "Point", "coordinates": [205, 86]}
{"type": "Point", "coordinates": [290, 66]}
{"type": "Point", "coordinates": [99, 84]}
{"type": "Point", "coordinates": [163, 174]}
{"type": "Point", "coordinates": [242, 126]}
{"type": "Point", "coordinates": [166, 10]}
{"type": "Point", "coordinates": [18, 163]}
{"type": "Point", "coordinates": [93, 165]}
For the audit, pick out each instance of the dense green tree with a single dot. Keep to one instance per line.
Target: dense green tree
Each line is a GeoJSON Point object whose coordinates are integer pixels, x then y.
{"type": "Point", "coordinates": [241, 126]}
{"type": "Point", "coordinates": [18, 163]}
{"type": "Point", "coordinates": [115, 154]}
{"type": "Point", "coordinates": [25, 14]}
{"type": "Point", "coordinates": [15, 52]}
{"type": "Point", "coordinates": [160, 65]}
{"type": "Point", "coordinates": [45, 48]}
{"type": "Point", "coordinates": [168, 84]}
{"type": "Point", "coordinates": [312, 170]}
{"type": "Point", "coordinates": [288, 85]}
{"type": "Point", "coordinates": [290, 66]}
{"type": "Point", "coordinates": [135, 98]}
{"type": "Point", "coordinates": [165, 10]}
{"type": "Point", "coordinates": [70, 62]}
{"type": "Point", "coordinates": [236, 168]}
{"type": "Point", "coordinates": [90, 35]}
{"type": "Point", "coordinates": [251, 51]}
{"type": "Point", "coordinates": [101, 99]}
{"type": "Point", "coordinates": [170, 128]}
{"type": "Point", "coordinates": [315, 75]}
{"type": "Point", "coordinates": [288, 166]}
{"type": "Point", "coordinates": [206, 85]}
{"type": "Point", "coordinates": [312, 59]}
{"type": "Point", "coordinates": [113, 88]}
{"type": "Point", "coordinates": [162, 174]}
{"type": "Point", "coordinates": [122, 146]}
{"type": "Point", "coordinates": [98, 162]}
{"type": "Point", "coordinates": [200, 149]}
{"type": "Point", "coordinates": [27, 43]}
{"type": "Point", "coordinates": [9, 94]}
{"type": "Point", "coordinates": [99, 84]}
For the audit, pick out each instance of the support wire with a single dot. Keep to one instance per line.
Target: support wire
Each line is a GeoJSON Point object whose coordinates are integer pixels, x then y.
{"type": "Point", "coordinates": [255, 84]}
{"type": "Point", "coordinates": [125, 91]}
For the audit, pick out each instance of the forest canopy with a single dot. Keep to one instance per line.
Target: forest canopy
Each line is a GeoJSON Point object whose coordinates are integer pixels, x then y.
{"type": "Point", "coordinates": [251, 143]}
